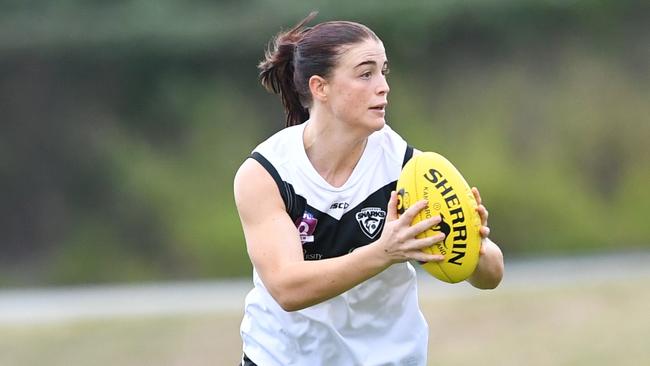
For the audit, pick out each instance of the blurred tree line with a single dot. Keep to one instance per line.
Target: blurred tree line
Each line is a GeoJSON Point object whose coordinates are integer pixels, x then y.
{"type": "Point", "coordinates": [123, 122]}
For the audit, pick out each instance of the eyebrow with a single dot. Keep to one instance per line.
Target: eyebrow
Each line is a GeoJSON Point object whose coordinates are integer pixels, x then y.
{"type": "Point", "coordinates": [370, 62]}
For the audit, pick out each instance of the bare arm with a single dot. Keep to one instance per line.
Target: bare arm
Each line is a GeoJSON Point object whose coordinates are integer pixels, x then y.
{"type": "Point", "coordinates": [275, 250]}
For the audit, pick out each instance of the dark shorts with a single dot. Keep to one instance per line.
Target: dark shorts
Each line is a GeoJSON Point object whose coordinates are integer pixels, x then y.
{"type": "Point", "coordinates": [247, 361]}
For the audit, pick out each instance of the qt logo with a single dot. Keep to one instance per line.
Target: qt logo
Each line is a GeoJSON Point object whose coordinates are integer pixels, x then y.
{"type": "Point", "coordinates": [306, 226]}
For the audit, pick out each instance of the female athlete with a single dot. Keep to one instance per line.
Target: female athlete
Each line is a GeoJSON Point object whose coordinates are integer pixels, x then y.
{"type": "Point", "coordinates": [332, 280]}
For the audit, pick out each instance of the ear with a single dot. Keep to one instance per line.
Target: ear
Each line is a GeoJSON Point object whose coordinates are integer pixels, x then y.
{"type": "Point", "coordinates": [318, 87]}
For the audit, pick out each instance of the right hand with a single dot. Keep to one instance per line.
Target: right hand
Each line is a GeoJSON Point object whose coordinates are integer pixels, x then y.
{"type": "Point", "coordinates": [398, 240]}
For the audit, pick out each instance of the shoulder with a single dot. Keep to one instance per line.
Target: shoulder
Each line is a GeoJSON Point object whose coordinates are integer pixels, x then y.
{"type": "Point", "coordinates": [254, 188]}
{"type": "Point", "coordinates": [251, 174]}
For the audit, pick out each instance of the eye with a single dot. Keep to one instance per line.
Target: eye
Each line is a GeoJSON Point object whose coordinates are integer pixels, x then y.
{"type": "Point", "coordinates": [366, 75]}
{"type": "Point", "coordinates": [385, 71]}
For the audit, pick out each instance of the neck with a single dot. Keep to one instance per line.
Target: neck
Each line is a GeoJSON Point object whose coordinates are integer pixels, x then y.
{"type": "Point", "coordinates": [332, 149]}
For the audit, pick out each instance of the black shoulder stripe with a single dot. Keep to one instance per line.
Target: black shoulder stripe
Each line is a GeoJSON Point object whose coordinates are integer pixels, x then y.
{"type": "Point", "coordinates": [269, 168]}
{"type": "Point", "coordinates": [276, 177]}
{"type": "Point", "coordinates": [293, 203]}
{"type": "Point", "coordinates": [407, 155]}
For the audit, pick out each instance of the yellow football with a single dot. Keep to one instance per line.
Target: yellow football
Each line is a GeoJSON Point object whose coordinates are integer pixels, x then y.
{"type": "Point", "coordinates": [432, 177]}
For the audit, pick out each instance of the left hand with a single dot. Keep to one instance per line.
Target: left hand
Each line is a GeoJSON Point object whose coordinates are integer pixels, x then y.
{"type": "Point", "coordinates": [484, 231]}
{"type": "Point", "coordinates": [489, 270]}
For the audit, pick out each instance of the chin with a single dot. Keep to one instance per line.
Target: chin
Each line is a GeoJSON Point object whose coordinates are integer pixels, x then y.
{"type": "Point", "coordinates": [378, 124]}
{"type": "Point", "coordinates": [369, 126]}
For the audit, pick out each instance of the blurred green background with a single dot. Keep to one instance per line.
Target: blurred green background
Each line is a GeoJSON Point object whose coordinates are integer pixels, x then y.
{"type": "Point", "coordinates": [123, 122]}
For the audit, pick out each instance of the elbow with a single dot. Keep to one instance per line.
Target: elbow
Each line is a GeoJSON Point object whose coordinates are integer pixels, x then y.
{"type": "Point", "coordinates": [488, 279]}
{"type": "Point", "coordinates": [489, 276]}
{"type": "Point", "coordinates": [289, 304]}
{"type": "Point", "coordinates": [494, 278]}
{"type": "Point", "coordinates": [497, 276]}
{"type": "Point", "coordinates": [287, 290]}
{"type": "Point", "coordinates": [287, 299]}
{"type": "Point", "coordinates": [291, 290]}
{"type": "Point", "coordinates": [489, 283]}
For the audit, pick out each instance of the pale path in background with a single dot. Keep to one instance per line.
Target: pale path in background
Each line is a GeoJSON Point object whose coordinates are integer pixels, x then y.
{"type": "Point", "coordinates": [33, 306]}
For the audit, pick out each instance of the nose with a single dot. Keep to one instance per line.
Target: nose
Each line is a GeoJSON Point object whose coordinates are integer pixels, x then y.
{"type": "Point", "coordinates": [383, 88]}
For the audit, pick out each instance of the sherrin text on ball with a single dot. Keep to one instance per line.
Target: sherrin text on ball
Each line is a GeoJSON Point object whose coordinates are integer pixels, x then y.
{"type": "Point", "coordinates": [430, 176]}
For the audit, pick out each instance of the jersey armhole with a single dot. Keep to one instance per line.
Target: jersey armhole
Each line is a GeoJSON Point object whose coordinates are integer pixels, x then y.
{"type": "Point", "coordinates": [292, 202]}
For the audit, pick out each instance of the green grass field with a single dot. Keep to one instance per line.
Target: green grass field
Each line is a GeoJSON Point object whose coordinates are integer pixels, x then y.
{"type": "Point", "coordinates": [588, 324]}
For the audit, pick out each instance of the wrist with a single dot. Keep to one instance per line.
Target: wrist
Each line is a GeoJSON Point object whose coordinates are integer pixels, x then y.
{"type": "Point", "coordinates": [375, 255]}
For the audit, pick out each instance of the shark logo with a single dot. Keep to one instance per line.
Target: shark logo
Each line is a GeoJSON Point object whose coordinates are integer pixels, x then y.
{"type": "Point", "coordinates": [371, 220]}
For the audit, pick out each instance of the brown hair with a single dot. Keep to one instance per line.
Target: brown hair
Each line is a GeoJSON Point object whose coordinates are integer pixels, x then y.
{"type": "Point", "coordinates": [299, 53]}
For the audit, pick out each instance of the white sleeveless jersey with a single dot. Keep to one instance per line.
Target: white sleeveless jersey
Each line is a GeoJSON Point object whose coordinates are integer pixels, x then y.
{"type": "Point", "coordinates": [375, 323]}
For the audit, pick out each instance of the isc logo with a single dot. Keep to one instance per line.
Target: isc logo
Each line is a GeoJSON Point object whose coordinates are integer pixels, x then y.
{"type": "Point", "coordinates": [339, 205]}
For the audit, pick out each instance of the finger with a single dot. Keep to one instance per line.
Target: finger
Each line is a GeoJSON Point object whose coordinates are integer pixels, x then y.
{"type": "Point", "coordinates": [424, 225]}
{"type": "Point", "coordinates": [423, 257]}
{"type": "Point", "coordinates": [427, 242]}
{"type": "Point", "coordinates": [412, 211]}
{"type": "Point", "coordinates": [483, 214]}
{"type": "Point", "coordinates": [477, 195]}
{"type": "Point", "coordinates": [392, 207]}
{"type": "Point", "coordinates": [484, 231]}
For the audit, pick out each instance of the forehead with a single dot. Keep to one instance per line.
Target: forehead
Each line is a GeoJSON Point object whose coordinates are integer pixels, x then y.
{"type": "Point", "coordinates": [368, 50]}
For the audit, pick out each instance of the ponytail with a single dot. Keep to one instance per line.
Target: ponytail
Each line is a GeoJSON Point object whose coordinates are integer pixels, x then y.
{"type": "Point", "coordinates": [277, 72]}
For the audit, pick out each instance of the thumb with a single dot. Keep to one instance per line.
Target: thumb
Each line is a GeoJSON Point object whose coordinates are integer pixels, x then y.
{"type": "Point", "coordinates": [391, 215]}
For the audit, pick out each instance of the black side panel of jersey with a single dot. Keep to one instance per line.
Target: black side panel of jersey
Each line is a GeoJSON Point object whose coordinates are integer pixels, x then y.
{"type": "Point", "coordinates": [334, 238]}
{"type": "Point", "coordinates": [294, 204]}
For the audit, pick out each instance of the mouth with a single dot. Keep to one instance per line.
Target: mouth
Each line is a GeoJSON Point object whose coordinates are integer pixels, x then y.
{"type": "Point", "coordinates": [379, 107]}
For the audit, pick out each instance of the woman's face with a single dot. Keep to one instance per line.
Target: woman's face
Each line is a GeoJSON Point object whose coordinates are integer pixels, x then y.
{"type": "Point", "coordinates": [357, 88]}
